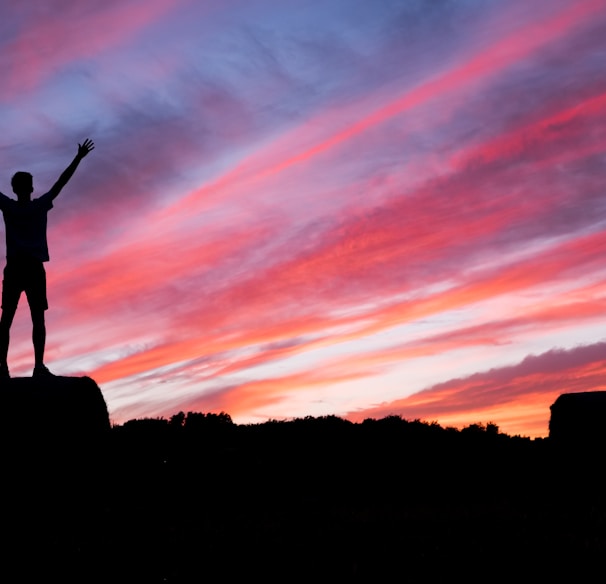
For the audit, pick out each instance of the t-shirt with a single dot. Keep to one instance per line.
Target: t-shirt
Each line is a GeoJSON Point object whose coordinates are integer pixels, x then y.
{"type": "Point", "coordinates": [26, 226]}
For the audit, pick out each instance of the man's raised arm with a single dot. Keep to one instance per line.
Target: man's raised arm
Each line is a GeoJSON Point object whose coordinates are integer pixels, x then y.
{"type": "Point", "coordinates": [83, 150]}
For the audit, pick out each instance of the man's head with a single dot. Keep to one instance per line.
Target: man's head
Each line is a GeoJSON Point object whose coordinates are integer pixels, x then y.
{"type": "Point", "coordinates": [23, 184]}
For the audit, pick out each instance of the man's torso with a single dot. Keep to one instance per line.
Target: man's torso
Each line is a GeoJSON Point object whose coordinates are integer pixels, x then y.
{"type": "Point", "coordinates": [25, 224]}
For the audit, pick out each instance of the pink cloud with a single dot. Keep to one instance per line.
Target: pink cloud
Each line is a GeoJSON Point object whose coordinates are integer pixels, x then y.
{"type": "Point", "coordinates": [522, 143]}
{"type": "Point", "coordinates": [585, 304]}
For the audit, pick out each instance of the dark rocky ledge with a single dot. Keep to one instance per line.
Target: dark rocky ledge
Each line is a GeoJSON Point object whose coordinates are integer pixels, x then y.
{"type": "Point", "coordinates": [54, 437]}
{"type": "Point", "coordinates": [70, 407]}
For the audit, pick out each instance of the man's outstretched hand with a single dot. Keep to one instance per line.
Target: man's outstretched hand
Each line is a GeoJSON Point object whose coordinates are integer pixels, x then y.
{"type": "Point", "coordinates": [85, 148]}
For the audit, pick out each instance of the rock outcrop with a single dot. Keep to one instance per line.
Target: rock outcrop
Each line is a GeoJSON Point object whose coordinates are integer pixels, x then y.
{"type": "Point", "coordinates": [579, 418]}
{"type": "Point", "coordinates": [55, 405]}
{"type": "Point", "coordinates": [54, 451]}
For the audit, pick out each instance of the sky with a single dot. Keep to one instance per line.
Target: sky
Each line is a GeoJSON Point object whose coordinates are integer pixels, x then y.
{"type": "Point", "coordinates": [301, 208]}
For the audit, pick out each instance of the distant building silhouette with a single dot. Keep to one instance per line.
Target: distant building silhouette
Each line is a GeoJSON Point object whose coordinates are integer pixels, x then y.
{"type": "Point", "coordinates": [579, 418]}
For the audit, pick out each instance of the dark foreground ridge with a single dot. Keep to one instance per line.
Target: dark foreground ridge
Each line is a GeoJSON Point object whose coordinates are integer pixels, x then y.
{"type": "Point", "coordinates": [197, 498]}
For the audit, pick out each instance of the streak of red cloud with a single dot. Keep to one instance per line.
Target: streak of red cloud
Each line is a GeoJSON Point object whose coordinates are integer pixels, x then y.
{"type": "Point", "coordinates": [566, 309]}
{"type": "Point", "coordinates": [204, 343]}
{"type": "Point", "coordinates": [521, 142]}
{"type": "Point", "coordinates": [153, 264]}
{"type": "Point", "coordinates": [587, 304]}
{"type": "Point", "coordinates": [369, 250]}
{"type": "Point", "coordinates": [566, 260]}
{"type": "Point", "coordinates": [570, 256]}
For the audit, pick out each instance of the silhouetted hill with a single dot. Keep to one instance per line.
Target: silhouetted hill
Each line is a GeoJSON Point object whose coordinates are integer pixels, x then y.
{"type": "Point", "coordinates": [326, 498]}
{"type": "Point", "coordinates": [198, 498]}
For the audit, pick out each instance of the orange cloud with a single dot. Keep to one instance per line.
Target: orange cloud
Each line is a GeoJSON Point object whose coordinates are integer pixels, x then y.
{"type": "Point", "coordinates": [517, 398]}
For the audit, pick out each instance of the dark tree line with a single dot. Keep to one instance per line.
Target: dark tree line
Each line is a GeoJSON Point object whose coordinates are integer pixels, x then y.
{"type": "Point", "coordinates": [198, 498]}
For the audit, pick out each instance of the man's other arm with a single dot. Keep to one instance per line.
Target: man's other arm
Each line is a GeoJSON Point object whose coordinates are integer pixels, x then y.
{"type": "Point", "coordinates": [83, 150]}
{"type": "Point", "coordinates": [4, 201]}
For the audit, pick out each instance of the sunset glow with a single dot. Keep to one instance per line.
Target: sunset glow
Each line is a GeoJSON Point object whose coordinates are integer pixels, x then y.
{"type": "Point", "coordinates": [311, 208]}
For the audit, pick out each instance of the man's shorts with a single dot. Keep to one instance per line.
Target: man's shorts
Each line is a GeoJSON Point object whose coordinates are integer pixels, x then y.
{"type": "Point", "coordinates": [27, 276]}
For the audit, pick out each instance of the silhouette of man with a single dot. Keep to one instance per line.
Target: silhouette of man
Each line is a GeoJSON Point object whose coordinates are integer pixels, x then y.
{"type": "Point", "coordinates": [26, 252]}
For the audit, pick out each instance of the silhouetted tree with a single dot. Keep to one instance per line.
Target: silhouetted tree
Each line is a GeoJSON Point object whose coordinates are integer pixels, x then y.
{"type": "Point", "coordinates": [199, 421]}
{"type": "Point", "coordinates": [177, 420]}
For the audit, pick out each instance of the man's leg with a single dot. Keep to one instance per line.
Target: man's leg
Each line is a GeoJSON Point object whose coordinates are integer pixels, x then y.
{"type": "Point", "coordinates": [11, 292]}
{"type": "Point", "coordinates": [6, 320]}
{"type": "Point", "coordinates": [38, 336]}
{"type": "Point", "coordinates": [39, 339]}
{"type": "Point", "coordinates": [36, 297]}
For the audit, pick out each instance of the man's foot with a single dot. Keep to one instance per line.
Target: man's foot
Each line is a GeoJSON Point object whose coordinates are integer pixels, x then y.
{"type": "Point", "coordinates": [4, 374]}
{"type": "Point", "coordinates": [42, 371]}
